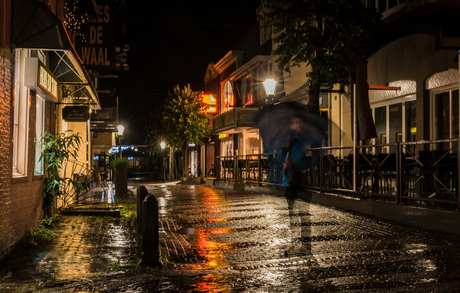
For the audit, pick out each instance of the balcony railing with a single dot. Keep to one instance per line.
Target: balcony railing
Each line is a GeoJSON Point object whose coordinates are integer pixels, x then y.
{"type": "Point", "coordinates": [423, 173]}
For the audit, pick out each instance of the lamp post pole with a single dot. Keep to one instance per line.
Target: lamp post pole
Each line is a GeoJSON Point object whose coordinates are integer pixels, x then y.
{"type": "Point", "coordinates": [120, 137]}
{"type": "Point", "coordinates": [163, 145]}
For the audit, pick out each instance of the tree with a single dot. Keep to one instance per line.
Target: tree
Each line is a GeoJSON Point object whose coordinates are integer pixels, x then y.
{"type": "Point", "coordinates": [322, 34]}
{"type": "Point", "coordinates": [184, 119]}
{"type": "Point", "coordinates": [154, 132]}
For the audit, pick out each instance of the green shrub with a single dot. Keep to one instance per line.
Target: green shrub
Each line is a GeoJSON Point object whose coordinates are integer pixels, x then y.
{"type": "Point", "coordinates": [42, 231]}
{"type": "Point", "coordinates": [119, 163]}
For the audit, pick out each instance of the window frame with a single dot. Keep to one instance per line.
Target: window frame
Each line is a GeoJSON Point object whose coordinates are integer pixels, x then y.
{"type": "Point", "coordinates": [21, 115]}
{"type": "Point", "coordinates": [433, 93]}
{"type": "Point", "coordinates": [39, 131]}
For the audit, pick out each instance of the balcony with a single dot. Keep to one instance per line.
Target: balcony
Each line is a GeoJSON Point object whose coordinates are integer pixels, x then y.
{"type": "Point", "coordinates": [237, 117]}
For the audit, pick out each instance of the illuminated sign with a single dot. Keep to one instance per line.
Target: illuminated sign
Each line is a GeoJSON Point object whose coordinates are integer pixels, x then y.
{"type": "Point", "coordinates": [75, 113]}
{"type": "Point", "coordinates": [38, 78]}
{"type": "Point", "coordinates": [47, 82]}
{"type": "Point", "coordinates": [223, 135]}
{"type": "Point", "coordinates": [210, 102]}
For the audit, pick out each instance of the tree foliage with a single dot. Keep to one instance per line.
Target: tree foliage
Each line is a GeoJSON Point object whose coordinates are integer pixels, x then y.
{"type": "Point", "coordinates": [184, 120]}
{"type": "Point", "coordinates": [322, 34]}
{"type": "Point", "coordinates": [154, 133]}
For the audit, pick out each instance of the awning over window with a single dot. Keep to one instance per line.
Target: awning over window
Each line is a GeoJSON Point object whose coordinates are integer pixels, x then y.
{"type": "Point", "coordinates": [36, 27]}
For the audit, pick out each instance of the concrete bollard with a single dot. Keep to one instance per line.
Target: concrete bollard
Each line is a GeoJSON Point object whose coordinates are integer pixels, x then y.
{"type": "Point", "coordinates": [141, 194]}
{"type": "Point", "coordinates": [150, 235]}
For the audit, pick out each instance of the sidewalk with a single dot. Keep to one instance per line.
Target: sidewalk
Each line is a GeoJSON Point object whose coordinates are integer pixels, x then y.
{"type": "Point", "coordinates": [215, 240]}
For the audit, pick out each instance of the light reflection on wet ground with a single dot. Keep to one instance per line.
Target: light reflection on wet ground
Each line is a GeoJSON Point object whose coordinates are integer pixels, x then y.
{"type": "Point", "coordinates": [219, 241]}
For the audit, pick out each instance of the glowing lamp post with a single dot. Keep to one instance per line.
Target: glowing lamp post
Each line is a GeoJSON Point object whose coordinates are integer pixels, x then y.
{"type": "Point", "coordinates": [269, 85]}
{"type": "Point", "coordinates": [120, 136]}
{"type": "Point", "coordinates": [163, 146]}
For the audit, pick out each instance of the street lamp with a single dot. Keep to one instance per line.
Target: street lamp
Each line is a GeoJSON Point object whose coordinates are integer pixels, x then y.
{"type": "Point", "coordinates": [120, 136]}
{"type": "Point", "coordinates": [163, 146]}
{"type": "Point", "coordinates": [269, 85]}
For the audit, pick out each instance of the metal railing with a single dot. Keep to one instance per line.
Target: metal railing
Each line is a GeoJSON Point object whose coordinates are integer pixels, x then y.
{"type": "Point", "coordinates": [423, 173]}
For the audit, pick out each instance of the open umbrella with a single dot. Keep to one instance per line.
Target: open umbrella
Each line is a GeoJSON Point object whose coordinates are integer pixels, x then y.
{"type": "Point", "coordinates": [275, 124]}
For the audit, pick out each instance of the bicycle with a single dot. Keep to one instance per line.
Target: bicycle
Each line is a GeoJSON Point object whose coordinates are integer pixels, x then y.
{"type": "Point", "coordinates": [212, 172]}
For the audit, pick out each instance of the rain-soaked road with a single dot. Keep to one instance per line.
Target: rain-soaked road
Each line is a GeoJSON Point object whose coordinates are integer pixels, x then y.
{"type": "Point", "coordinates": [227, 241]}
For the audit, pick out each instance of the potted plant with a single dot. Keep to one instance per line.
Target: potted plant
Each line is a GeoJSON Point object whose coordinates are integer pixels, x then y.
{"type": "Point", "coordinates": [57, 151]}
{"type": "Point", "coordinates": [120, 166]}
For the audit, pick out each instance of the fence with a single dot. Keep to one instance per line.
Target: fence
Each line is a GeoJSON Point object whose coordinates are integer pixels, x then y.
{"type": "Point", "coordinates": [423, 173]}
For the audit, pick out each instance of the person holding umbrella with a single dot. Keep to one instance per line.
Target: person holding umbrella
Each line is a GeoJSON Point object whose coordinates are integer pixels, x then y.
{"type": "Point", "coordinates": [288, 128]}
{"type": "Point", "coordinates": [295, 162]}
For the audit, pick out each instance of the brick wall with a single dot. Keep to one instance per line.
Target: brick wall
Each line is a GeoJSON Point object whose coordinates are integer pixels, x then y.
{"type": "Point", "coordinates": [20, 198]}
{"type": "Point", "coordinates": [6, 226]}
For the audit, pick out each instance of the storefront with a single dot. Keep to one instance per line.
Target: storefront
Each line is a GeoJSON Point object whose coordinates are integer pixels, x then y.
{"type": "Point", "coordinates": [41, 71]}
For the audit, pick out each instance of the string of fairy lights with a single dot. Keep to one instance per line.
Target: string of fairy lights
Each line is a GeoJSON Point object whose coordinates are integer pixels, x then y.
{"type": "Point", "coordinates": [74, 21]}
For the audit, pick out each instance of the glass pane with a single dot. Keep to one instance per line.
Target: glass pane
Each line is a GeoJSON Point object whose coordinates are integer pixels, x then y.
{"type": "Point", "coordinates": [39, 130]}
{"type": "Point", "coordinates": [455, 114]}
{"type": "Point", "coordinates": [396, 123]}
{"type": "Point", "coordinates": [381, 124]}
{"type": "Point", "coordinates": [227, 97]}
{"type": "Point", "coordinates": [411, 125]}
{"type": "Point", "coordinates": [243, 91]}
{"type": "Point", "coordinates": [441, 116]}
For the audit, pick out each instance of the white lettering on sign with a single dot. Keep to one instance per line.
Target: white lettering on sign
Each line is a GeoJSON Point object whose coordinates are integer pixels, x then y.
{"type": "Point", "coordinates": [48, 83]}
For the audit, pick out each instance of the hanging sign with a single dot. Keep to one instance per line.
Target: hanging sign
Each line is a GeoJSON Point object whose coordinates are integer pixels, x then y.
{"type": "Point", "coordinates": [47, 82]}
{"type": "Point", "coordinates": [75, 113]}
{"type": "Point", "coordinates": [37, 77]}
{"type": "Point", "coordinates": [97, 44]}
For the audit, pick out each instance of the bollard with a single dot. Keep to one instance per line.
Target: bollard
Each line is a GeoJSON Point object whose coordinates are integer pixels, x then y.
{"type": "Point", "coordinates": [141, 194]}
{"type": "Point", "coordinates": [150, 235]}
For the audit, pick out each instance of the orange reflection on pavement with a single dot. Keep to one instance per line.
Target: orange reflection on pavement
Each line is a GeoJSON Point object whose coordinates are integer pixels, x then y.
{"type": "Point", "coordinates": [212, 283]}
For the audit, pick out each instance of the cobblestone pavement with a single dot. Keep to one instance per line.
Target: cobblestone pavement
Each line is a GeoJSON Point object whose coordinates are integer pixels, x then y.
{"type": "Point", "coordinates": [227, 241]}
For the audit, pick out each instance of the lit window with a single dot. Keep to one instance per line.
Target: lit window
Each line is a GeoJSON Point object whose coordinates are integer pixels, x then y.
{"type": "Point", "coordinates": [227, 102]}
{"type": "Point", "coordinates": [210, 102]}
{"type": "Point", "coordinates": [20, 115]}
{"type": "Point", "coordinates": [39, 130]}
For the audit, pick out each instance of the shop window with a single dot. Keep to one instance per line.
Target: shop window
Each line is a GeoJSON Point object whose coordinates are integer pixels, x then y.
{"type": "Point", "coordinates": [380, 117]}
{"type": "Point", "coordinates": [39, 130]}
{"type": "Point", "coordinates": [20, 115]}
{"type": "Point", "coordinates": [445, 116]}
{"type": "Point", "coordinates": [227, 148]}
{"type": "Point", "coordinates": [441, 116]}
{"type": "Point", "coordinates": [410, 121]}
{"type": "Point", "coordinates": [395, 119]}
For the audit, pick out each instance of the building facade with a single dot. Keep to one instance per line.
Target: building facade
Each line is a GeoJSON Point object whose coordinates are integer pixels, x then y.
{"type": "Point", "coordinates": [40, 75]}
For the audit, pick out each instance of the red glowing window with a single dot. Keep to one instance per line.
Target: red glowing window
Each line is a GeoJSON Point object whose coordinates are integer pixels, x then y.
{"type": "Point", "coordinates": [210, 102]}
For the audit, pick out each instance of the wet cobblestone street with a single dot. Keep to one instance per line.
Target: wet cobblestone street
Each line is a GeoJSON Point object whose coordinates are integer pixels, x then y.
{"type": "Point", "coordinates": [213, 240]}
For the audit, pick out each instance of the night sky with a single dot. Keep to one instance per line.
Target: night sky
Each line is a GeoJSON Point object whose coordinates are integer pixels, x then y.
{"type": "Point", "coordinates": [169, 45]}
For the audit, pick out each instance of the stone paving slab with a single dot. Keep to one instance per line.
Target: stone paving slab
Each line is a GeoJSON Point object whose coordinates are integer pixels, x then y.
{"type": "Point", "coordinates": [228, 241]}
